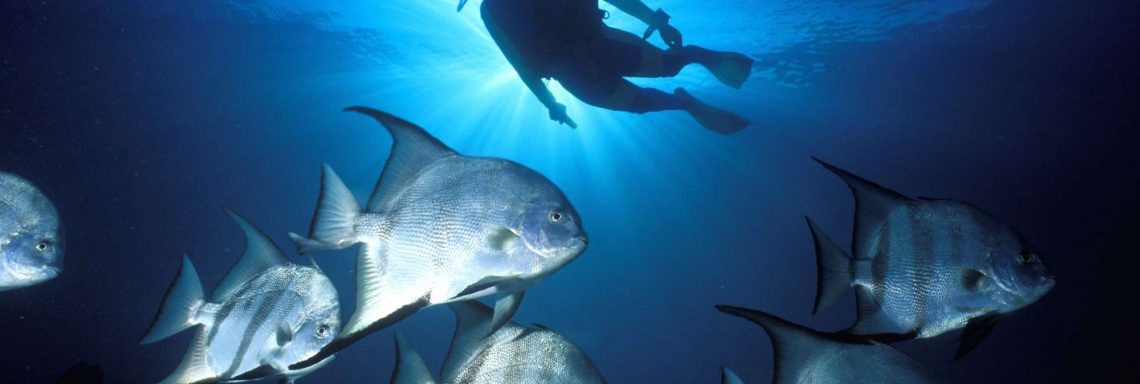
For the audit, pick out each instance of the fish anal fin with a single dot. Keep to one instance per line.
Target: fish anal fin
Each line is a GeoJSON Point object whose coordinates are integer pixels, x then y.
{"type": "Point", "coordinates": [413, 149]}
{"type": "Point", "coordinates": [195, 367]}
{"type": "Point", "coordinates": [977, 329]}
{"type": "Point", "coordinates": [834, 274]}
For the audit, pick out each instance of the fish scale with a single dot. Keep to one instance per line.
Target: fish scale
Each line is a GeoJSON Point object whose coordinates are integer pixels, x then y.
{"type": "Point", "coordinates": [31, 241]}
{"type": "Point", "coordinates": [512, 354]}
{"type": "Point", "coordinates": [924, 267]}
{"type": "Point", "coordinates": [441, 227]}
{"type": "Point", "coordinates": [266, 314]}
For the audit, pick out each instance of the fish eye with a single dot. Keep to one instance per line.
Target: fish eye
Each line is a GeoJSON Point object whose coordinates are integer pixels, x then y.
{"type": "Point", "coordinates": [1025, 257]}
{"type": "Point", "coordinates": [42, 246]}
{"type": "Point", "coordinates": [557, 216]}
{"type": "Point", "coordinates": [322, 331]}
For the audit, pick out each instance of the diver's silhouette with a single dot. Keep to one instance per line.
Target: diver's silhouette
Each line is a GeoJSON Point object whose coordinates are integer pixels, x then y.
{"type": "Point", "coordinates": [568, 41]}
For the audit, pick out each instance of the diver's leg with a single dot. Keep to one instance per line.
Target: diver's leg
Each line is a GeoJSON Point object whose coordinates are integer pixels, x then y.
{"type": "Point", "coordinates": [629, 55]}
{"type": "Point", "coordinates": [710, 117]}
{"type": "Point", "coordinates": [619, 94]}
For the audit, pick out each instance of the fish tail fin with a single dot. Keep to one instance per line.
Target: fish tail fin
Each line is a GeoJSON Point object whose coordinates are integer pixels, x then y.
{"type": "Point", "coordinates": [179, 307]}
{"type": "Point", "coordinates": [335, 216]}
{"type": "Point", "coordinates": [834, 275]}
{"type": "Point", "coordinates": [410, 367]}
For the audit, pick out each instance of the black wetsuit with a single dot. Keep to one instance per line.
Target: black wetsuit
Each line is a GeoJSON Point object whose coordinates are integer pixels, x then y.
{"type": "Point", "coordinates": [568, 41]}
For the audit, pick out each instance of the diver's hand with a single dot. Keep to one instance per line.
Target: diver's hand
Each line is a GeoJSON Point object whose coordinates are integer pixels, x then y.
{"type": "Point", "coordinates": [670, 35]}
{"type": "Point", "coordinates": [558, 113]}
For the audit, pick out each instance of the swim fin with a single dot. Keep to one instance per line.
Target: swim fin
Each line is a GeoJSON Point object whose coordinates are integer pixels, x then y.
{"type": "Point", "coordinates": [730, 68]}
{"type": "Point", "coordinates": [712, 118]}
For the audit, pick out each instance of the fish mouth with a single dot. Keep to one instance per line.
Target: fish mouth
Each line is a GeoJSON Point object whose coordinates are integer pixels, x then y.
{"type": "Point", "coordinates": [574, 249]}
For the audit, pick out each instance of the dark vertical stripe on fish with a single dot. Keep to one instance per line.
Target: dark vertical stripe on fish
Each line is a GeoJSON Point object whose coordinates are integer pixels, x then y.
{"type": "Point", "coordinates": [263, 313]}
{"type": "Point", "coordinates": [923, 265]}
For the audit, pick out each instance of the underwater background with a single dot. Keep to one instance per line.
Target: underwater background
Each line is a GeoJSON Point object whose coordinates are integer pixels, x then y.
{"type": "Point", "coordinates": [142, 120]}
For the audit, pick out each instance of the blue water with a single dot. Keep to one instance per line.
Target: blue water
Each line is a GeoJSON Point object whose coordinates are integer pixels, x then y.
{"type": "Point", "coordinates": [143, 120]}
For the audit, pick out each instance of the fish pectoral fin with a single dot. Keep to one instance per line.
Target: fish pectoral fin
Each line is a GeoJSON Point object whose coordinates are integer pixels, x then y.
{"type": "Point", "coordinates": [973, 279]}
{"type": "Point", "coordinates": [976, 330]}
{"type": "Point", "coordinates": [505, 308]}
{"type": "Point", "coordinates": [501, 237]}
{"type": "Point", "coordinates": [284, 335]}
{"type": "Point", "coordinates": [891, 338]}
{"type": "Point", "coordinates": [481, 285]}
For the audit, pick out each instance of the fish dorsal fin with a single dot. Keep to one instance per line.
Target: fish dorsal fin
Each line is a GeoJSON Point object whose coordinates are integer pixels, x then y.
{"type": "Point", "coordinates": [471, 321]}
{"type": "Point", "coordinates": [194, 367]}
{"type": "Point", "coordinates": [412, 149]}
{"type": "Point", "coordinates": [870, 320]}
{"type": "Point", "coordinates": [794, 344]}
{"type": "Point", "coordinates": [260, 254]}
{"type": "Point", "coordinates": [727, 376]}
{"type": "Point", "coordinates": [873, 205]}
{"type": "Point", "coordinates": [410, 367]}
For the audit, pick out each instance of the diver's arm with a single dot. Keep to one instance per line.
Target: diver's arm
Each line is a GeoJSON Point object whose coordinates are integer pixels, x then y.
{"type": "Point", "coordinates": [656, 20]}
{"type": "Point", "coordinates": [636, 9]}
{"type": "Point", "coordinates": [538, 88]}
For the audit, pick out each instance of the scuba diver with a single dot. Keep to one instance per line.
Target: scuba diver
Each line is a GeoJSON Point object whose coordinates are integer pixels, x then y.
{"type": "Point", "coordinates": [567, 40]}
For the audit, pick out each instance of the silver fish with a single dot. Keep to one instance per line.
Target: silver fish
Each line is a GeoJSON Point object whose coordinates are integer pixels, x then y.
{"type": "Point", "coordinates": [265, 315]}
{"type": "Point", "coordinates": [513, 354]}
{"type": "Point", "coordinates": [31, 240]}
{"type": "Point", "coordinates": [442, 227]}
{"type": "Point", "coordinates": [924, 267]}
{"type": "Point", "coordinates": [806, 356]}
